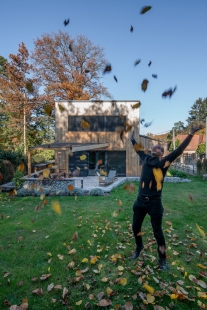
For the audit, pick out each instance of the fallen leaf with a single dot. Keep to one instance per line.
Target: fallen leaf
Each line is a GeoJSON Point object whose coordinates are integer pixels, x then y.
{"type": "Point", "coordinates": [50, 287]}
{"type": "Point", "coordinates": [122, 281]}
{"type": "Point", "coordinates": [128, 306]}
{"type": "Point", "coordinates": [104, 303]}
{"type": "Point", "coordinates": [38, 292]}
{"type": "Point", "coordinates": [45, 276]}
{"type": "Point", "coordinates": [58, 287]}
{"type": "Point", "coordinates": [119, 202]}
{"type": "Point", "coordinates": [65, 291]}
{"type": "Point", "coordinates": [109, 291]}
{"type": "Point", "coordinates": [73, 251]}
{"type": "Point", "coordinates": [60, 256]}
{"type": "Point", "coordinates": [75, 236]}
{"type": "Point", "coordinates": [78, 303]}
{"type": "Point", "coordinates": [150, 298]}
{"type": "Point", "coordinates": [149, 288]}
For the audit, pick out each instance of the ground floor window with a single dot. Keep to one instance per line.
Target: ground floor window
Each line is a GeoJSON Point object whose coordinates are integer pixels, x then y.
{"type": "Point", "coordinates": [95, 161]}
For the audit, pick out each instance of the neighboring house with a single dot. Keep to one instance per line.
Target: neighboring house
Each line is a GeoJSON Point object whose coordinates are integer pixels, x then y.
{"type": "Point", "coordinates": [192, 147]}
{"type": "Point", "coordinates": [105, 119]}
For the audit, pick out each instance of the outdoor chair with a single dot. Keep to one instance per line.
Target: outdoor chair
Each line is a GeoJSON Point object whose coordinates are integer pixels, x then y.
{"type": "Point", "coordinates": [109, 179]}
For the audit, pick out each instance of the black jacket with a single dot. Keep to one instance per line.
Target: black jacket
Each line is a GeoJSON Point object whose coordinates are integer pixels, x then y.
{"type": "Point", "coordinates": [154, 166]}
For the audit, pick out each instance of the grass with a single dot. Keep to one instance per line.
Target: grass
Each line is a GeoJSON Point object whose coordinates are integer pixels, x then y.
{"type": "Point", "coordinates": [31, 241]}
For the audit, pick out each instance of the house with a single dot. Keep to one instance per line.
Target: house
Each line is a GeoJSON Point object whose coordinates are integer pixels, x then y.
{"type": "Point", "coordinates": [104, 149]}
{"type": "Point", "coordinates": [195, 141]}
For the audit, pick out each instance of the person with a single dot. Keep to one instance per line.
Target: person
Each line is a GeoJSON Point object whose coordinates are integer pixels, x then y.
{"type": "Point", "coordinates": [154, 168]}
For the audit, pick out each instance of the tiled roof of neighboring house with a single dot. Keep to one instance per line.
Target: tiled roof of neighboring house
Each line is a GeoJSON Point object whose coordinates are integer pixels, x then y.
{"type": "Point", "coordinates": [192, 146]}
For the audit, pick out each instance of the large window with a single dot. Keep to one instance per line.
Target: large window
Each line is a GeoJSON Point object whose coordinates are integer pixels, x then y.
{"type": "Point", "coordinates": [97, 123]}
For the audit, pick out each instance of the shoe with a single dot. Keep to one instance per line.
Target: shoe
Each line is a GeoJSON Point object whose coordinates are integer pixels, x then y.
{"type": "Point", "coordinates": [162, 264]}
{"type": "Point", "coordinates": [137, 252]}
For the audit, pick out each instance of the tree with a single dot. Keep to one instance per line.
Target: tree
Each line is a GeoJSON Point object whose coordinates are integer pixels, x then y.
{"type": "Point", "coordinates": [2, 65]}
{"type": "Point", "coordinates": [177, 143]}
{"type": "Point", "coordinates": [201, 149]}
{"type": "Point", "coordinates": [178, 129]}
{"type": "Point", "coordinates": [19, 99]}
{"type": "Point", "coordinates": [198, 112]}
{"type": "Point", "coordinates": [67, 68]}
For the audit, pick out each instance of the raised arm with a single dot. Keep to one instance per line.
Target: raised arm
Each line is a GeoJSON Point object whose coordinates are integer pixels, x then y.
{"type": "Point", "coordinates": [173, 155]}
{"type": "Point", "coordinates": [140, 152]}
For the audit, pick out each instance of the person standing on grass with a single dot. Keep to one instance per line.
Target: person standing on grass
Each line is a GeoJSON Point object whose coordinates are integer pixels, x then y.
{"type": "Point", "coordinates": [154, 168]}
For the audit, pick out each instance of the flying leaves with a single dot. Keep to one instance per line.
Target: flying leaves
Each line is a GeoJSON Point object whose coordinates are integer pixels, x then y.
{"type": "Point", "coordinates": [83, 157]}
{"type": "Point", "coordinates": [56, 207]}
{"type": "Point", "coordinates": [201, 231]}
{"type": "Point", "coordinates": [145, 9]}
{"type": "Point", "coordinates": [21, 167]}
{"type": "Point", "coordinates": [169, 92]}
{"type": "Point", "coordinates": [137, 62]}
{"type": "Point", "coordinates": [66, 22]}
{"type": "Point", "coordinates": [107, 69]}
{"type": "Point", "coordinates": [84, 124]}
{"type": "Point", "coordinates": [136, 105]}
{"type": "Point", "coordinates": [144, 85]}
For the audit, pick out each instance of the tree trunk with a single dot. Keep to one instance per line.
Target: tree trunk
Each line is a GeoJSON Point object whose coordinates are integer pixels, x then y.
{"type": "Point", "coordinates": [24, 131]}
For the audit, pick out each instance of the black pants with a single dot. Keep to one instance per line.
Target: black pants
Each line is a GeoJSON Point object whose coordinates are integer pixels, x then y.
{"type": "Point", "coordinates": [154, 208]}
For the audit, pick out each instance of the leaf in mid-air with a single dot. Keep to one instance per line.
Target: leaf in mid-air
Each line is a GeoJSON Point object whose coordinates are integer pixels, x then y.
{"type": "Point", "coordinates": [145, 9]}
{"type": "Point", "coordinates": [144, 84]}
{"type": "Point", "coordinates": [136, 105]}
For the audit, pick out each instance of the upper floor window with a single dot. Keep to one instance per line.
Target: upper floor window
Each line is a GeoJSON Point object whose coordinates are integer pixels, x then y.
{"type": "Point", "coordinates": [97, 123]}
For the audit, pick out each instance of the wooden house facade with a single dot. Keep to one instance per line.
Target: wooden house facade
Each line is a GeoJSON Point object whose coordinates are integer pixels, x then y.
{"type": "Point", "coordinates": [103, 122]}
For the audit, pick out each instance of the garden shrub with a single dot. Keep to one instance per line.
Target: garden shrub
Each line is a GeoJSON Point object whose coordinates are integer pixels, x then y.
{"type": "Point", "coordinates": [9, 161]}
{"type": "Point", "coordinates": [17, 179]}
{"type": "Point", "coordinates": [179, 174]}
{"type": "Point", "coordinates": [41, 156]}
{"type": "Point", "coordinates": [7, 169]}
{"type": "Point", "coordinates": [96, 192]}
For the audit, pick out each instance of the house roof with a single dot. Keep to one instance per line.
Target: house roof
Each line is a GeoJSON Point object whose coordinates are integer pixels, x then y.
{"type": "Point", "coordinates": [196, 139]}
{"type": "Point", "coordinates": [74, 147]}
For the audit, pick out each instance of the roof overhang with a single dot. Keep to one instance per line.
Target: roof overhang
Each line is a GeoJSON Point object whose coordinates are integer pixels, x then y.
{"type": "Point", "coordinates": [73, 147]}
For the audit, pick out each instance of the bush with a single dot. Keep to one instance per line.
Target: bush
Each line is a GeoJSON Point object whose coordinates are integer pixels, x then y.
{"type": "Point", "coordinates": [7, 170]}
{"type": "Point", "coordinates": [96, 192]}
{"type": "Point", "coordinates": [9, 161]}
{"type": "Point", "coordinates": [15, 157]}
{"type": "Point", "coordinates": [176, 173]}
{"type": "Point", "coordinates": [46, 155]}
{"type": "Point", "coordinates": [17, 179]}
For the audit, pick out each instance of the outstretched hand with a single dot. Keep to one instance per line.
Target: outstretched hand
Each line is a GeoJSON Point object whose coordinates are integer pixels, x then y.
{"type": "Point", "coordinates": [194, 129]}
{"type": "Point", "coordinates": [132, 135]}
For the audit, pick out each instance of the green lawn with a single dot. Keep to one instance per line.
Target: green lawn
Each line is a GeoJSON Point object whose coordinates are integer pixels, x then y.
{"type": "Point", "coordinates": [36, 243]}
